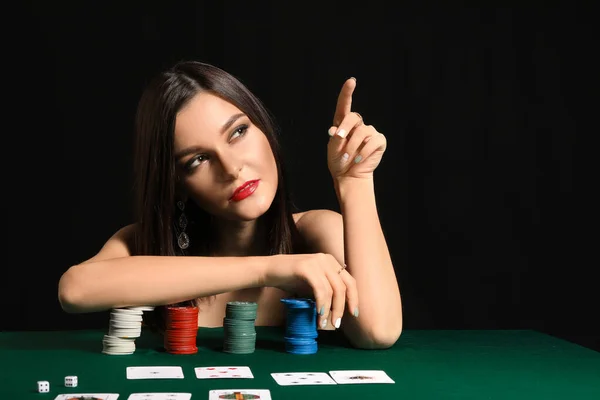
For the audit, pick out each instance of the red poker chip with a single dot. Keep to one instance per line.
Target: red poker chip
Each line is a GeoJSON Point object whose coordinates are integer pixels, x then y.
{"type": "Point", "coordinates": [177, 326]}
{"type": "Point", "coordinates": [183, 352]}
{"type": "Point", "coordinates": [181, 330]}
{"type": "Point", "coordinates": [181, 335]}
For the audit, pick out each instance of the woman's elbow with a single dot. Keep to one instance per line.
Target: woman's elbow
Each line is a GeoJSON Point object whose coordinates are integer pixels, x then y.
{"type": "Point", "coordinates": [69, 292]}
{"type": "Point", "coordinates": [380, 337]}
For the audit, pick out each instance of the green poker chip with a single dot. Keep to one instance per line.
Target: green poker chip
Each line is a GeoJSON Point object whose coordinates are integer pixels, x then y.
{"type": "Point", "coordinates": [239, 327]}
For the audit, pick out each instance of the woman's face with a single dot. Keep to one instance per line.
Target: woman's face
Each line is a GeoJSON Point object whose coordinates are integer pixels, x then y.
{"type": "Point", "coordinates": [218, 150]}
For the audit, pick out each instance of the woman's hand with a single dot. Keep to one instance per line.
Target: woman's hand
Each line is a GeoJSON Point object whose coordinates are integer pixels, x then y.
{"type": "Point", "coordinates": [319, 275]}
{"type": "Point", "coordinates": [354, 149]}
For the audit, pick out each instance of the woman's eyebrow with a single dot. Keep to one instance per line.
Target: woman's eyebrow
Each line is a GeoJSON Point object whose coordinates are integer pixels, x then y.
{"type": "Point", "coordinates": [224, 128]}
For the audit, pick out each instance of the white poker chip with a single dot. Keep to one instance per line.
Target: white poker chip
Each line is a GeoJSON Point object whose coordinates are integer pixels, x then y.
{"type": "Point", "coordinates": [125, 325]}
{"type": "Point", "coordinates": [115, 345]}
{"type": "Point", "coordinates": [142, 308]}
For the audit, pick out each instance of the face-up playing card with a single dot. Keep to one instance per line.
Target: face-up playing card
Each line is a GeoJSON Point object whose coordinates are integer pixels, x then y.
{"type": "Point", "coordinates": [87, 396]}
{"type": "Point", "coordinates": [160, 396]}
{"type": "Point", "coordinates": [302, 378]}
{"type": "Point", "coordinates": [246, 394]}
{"type": "Point", "coordinates": [154, 373]}
{"type": "Point", "coordinates": [359, 376]}
{"type": "Point", "coordinates": [223, 372]}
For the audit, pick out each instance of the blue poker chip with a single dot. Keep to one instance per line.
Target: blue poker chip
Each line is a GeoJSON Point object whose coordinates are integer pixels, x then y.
{"type": "Point", "coordinates": [301, 326]}
{"type": "Point", "coordinates": [298, 303]}
{"type": "Point", "coordinates": [299, 341]}
{"type": "Point", "coordinates": [310, 348]}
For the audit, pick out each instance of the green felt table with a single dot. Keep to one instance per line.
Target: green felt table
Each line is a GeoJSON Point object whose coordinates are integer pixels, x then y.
{"type": "Point", "coordinates": [425, 364]}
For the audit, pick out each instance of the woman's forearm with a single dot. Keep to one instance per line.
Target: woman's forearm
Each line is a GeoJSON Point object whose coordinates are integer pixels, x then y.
{"type": "Point", "coordinates": [369, 262]}
{"type": "Point", "coordinates": [154, 280]}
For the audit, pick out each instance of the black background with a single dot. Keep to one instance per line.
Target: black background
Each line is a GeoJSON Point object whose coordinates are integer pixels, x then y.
{"type": "Point", "coordinates": [476, 192]}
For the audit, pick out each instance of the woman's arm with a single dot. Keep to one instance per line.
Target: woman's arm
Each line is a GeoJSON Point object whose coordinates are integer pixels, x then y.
{"type": "Point", "coordinates": [369, 262]}
{"type": "Point", "coordinates": [154, 280]}
{"type": "Point", "coordinates": [353, 153]}
{"type": "Point", "coordinates": [357, 239]}
{"type": "Point", "coordinates": [113, 278]}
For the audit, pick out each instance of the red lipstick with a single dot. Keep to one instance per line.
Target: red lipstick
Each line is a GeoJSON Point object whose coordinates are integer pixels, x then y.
{"type": "Point", "coordinates": [245, 190]}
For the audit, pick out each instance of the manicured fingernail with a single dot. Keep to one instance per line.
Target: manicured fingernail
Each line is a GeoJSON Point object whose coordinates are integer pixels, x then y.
{"type": "Point", "coordinates": [356, 312]}
{"type": "Point", "coordinates": [331, 131]}
{"type": "Point", "coordinates": [338, 322]}
{"type": "Point", "coordinates": [322, 310]}
{"type": "Point", "coordinates": [357, 159]}
{"type": "Point", "coordinates": [324, 323]}
{"type": "Point", "coordinates": [341, 133]}
{"type": "Point", "coordinates": [353, 78]}
{"type": "Point", "coordinates": [345, 157]}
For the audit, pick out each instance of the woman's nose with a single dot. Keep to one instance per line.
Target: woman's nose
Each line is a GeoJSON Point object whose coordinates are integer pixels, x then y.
{"type": "Point", "coordinates": [231, 166]}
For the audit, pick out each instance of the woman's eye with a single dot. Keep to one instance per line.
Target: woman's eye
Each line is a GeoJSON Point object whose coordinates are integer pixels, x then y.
{"type": "Point", "coordinates": [194, 162]}
{"type": "Point", "coordinates": [241, 131]}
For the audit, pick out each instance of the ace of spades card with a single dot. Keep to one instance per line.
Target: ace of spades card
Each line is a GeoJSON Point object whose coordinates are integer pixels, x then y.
{"type": "Point", "coordinates": [360, 376]}
{"type": "Point", "coordinates": [302, 378]}
{"type": "Point", "coordinates": [168, 372]}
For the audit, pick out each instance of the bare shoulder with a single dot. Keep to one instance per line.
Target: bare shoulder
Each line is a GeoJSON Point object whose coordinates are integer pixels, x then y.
{"type": "Point", "coordinates": [120, 244]}
{"type": "Point", "coordinates": [322, 230]}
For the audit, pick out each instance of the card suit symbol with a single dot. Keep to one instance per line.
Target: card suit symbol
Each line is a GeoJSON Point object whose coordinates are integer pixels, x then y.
{"type": "Point", "coordinates": [361, 377]}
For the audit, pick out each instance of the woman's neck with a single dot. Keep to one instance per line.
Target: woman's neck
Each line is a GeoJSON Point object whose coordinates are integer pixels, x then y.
{"type": "Point", "coordinates": [240, 239]}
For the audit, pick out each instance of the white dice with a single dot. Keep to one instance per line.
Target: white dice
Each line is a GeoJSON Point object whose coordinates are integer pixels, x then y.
{"type": "Point", "coordinates": [43, 386]}
{"type": "Point", "coordinates": [70, 381]}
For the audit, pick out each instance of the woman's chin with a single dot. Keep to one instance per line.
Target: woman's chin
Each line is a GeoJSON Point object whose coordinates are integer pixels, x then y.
{"type": "Point", "coordinates": [250, 208]}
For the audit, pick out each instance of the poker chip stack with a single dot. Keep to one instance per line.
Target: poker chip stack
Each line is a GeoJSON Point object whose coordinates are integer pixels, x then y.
{"type": "Point", "coordinates": [125, 326]}
{"type": "Point", "coordinates": [238, 327]}
{"type": "Point", "coordinates": [301, 327]}
{"type": "Point", "coordinates": [181, 330]}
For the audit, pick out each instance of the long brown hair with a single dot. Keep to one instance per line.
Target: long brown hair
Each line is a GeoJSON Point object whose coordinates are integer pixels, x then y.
{"type": "Point", "coordinates": [155, 172]}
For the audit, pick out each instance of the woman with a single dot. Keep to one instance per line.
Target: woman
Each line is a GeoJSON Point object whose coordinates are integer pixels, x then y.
{"type": "Point", "coordinates": [214, 222]}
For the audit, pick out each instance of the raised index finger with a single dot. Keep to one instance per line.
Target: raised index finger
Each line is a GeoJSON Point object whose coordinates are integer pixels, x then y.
{"type": "Point", "coordinates": [344, 102]}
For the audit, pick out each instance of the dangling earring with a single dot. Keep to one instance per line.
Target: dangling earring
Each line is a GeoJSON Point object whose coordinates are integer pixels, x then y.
{"type": "Point", "coordinates": [183, 240]}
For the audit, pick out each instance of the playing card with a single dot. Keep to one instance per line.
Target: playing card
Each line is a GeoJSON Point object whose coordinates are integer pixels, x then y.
{"type": "Point", "coordinates": [302, 378]}
{"type": "Point", "coordinates": [223, 372]}
{"type": "Point", "coordinates": [87, 396]}
{"type": "Point", "coordinates": [359, 376]}
{"type": "Point", "coordinates": [256, 394]}
{"type": "Point", "coordinates": [154, 373]}
{"type": "Point", "coordinates": [160, 396]}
